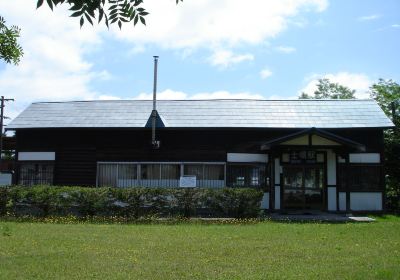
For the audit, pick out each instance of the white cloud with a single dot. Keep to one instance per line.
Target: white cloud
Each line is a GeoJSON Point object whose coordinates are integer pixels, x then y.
{"type": "Point", "coordinates": [108, 97]}
{"type": "Point", "coordinates": [137, 49]}
{"type": "Point", "coordinates": [357, 81]}
{"type": "Point", "coordinates": [169, 94]}
{"type": "Point", "coordinates": [396, 25]}
{"type": "Point", "coordinates": [213, 24]}
{"type": "Point", "coordinates": [285, 49]}
{"type": "Point", "coordinates": [265, 73]}
{"type": "Point", "coordinates": [53, 66]}
{"type": "Point", "coordinates": [226, 58]}
{"type": "Point", "coordinates": [369, 17]}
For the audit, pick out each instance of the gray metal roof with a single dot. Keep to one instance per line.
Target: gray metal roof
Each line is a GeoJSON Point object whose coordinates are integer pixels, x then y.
{"type": "Point", "coordinates": [205, 113]}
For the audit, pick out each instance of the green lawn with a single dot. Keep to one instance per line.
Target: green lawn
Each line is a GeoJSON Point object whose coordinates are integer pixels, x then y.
{"type": "Point", "coordinates": [194, 251]}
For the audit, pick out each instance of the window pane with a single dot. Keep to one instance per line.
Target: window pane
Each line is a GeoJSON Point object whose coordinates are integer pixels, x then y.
{"type": "Point", "coordinates": [194, 170]}
{"type": "Point", "coordinates": [150, 171]}
{"type": "Point", "coordinates": [170, 171]}
{"type": "Point", "coordinates": [247, 175]}
{"type": "Point", "coordinates": [127, 175]}
{"type": "Point", "coordinates": [213, 172]}
{"type": "Point", "coordinates": [107, 175]}
{"type": "Point", "coordinates": [360, 177]}
{"type": "Point", "coordinates": [127, 172]}
{"type": "Point", "coordinates": [36, 174]}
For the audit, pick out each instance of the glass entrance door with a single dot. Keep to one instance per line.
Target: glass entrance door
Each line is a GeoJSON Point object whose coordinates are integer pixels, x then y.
{"type": "Point", "coordinates": [303, 187]}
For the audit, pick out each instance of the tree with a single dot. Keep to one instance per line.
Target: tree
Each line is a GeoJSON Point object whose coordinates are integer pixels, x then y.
{"type": "Point", "coordinates": [328, 90]}
{"type": "Point", "coordinates": [112, 11]}
{"type": "Point", "coordinates": [387, 94]}
{"type": "Point", "coordinates": [10, 50]}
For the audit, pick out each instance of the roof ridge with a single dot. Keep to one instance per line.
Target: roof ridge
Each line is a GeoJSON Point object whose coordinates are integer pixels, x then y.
{"type": "Point", "coordinates": [217, 99]}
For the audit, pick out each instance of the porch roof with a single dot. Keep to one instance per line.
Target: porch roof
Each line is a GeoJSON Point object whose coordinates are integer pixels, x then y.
{"type": "Point", "coordinates": [314, 131]}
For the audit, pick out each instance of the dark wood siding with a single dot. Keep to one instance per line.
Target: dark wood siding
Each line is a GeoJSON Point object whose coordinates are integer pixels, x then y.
{"type": "Point", "coordinates": [79, 150]}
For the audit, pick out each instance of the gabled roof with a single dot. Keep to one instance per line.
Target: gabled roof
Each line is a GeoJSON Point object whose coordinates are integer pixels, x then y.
{"type": "Point", "coordinates": [204, 114]}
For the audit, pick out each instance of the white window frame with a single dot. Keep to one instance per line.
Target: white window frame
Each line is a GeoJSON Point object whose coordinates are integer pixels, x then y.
{"type": "Point", "coordinates": [139, 163]}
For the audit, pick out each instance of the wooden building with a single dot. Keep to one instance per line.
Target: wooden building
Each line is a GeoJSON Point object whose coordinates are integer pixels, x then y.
{"type": "Point", "coordinates": [304, 154]}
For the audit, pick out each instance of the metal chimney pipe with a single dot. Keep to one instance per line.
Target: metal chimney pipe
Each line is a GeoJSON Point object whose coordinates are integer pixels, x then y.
{"type": "Point", "coordinates": [155, 82]}
{"type": "Point", "coordinates": [154, 112]}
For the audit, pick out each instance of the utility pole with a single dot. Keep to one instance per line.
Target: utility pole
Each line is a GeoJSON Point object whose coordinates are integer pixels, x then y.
{"type": "Point", "coordinates": [2, 100]}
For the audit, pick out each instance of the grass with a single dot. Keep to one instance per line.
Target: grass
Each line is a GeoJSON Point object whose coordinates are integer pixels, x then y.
{"type": "Point", "coordinates": [193, 251]}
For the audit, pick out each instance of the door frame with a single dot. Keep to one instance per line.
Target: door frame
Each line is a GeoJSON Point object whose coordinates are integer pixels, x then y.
{"type": "Point", "coordinates": [324, 166]}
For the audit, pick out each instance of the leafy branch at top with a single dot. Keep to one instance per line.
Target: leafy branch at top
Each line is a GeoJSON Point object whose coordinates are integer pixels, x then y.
{"type": "Point", "coordinates": [112, 11]}
{"type": "Point", "coordinates": [10, 50]}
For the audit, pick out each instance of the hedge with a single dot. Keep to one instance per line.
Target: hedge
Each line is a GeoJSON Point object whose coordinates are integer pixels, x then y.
{"type": "Point", "coordinates": [129, 202]}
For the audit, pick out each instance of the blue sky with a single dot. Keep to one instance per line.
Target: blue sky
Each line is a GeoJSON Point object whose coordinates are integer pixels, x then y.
{"type": "Point", "coordinates": [208, 49]}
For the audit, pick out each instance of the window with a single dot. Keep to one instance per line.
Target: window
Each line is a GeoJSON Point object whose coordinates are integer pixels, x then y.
{"type": "Point", "coordinates": [207, 175]}
{"type": "Point", "coordinates": [194, 170]}
{"type": "Point", "coordinates": [150, 171]}
{"type": "Point", "coordinates": [247, 175]}
{"type": "Point", "coordinates": [127, 175]}
{"type": "Point", "coordinates": [36, 174]}
{"type": "Point", "coordinates": [214, 172]}
{"type": "Point", "coordinates": [107, 175]}
{"type": "Point", "coordinates": [159, 174]}
{"type": "Point", "coordinates": [359, 177]}
{"type": "Point", "coordinates": [170, 171]}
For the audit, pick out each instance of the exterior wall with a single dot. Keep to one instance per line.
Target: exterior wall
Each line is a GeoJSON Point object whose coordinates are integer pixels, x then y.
{"type": "Point", "coordinates": [77, 153]}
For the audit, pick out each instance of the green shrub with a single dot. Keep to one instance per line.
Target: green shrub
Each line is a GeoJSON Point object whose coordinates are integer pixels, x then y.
{"type": "Point", "coordinates": [238, 203]}
{"type": "Point", "coordinates": [185, 202]}
{"type": "Point", "coordinates": [3, 200]}
{"type": "Point", "coordinates": [91, 201]}
{"type": "Point", "coordinates": [393, 194]}
{"type": "Point", "coordinates": [130, 202]}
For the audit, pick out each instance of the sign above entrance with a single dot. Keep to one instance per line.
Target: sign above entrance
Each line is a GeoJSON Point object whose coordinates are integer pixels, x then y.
{"type": "Point", "coordinates": [302, 156]}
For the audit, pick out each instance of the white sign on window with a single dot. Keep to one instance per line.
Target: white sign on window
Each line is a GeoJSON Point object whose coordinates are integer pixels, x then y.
{"type": "Point", "coordinates": [187, 181]}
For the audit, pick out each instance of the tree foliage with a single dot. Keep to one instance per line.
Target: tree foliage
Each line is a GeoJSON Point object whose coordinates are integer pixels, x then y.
{"type": "Point", "coordinates": [10, 50]}
{"type": "Point", "coordinates": [387, 94]}
{"type": "Point", "coordinates": [329, 90]}
{"type": "Point", "coordinates": [112, 11]}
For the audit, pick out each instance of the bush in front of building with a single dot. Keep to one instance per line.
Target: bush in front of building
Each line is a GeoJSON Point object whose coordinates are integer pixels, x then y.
{"type": "Point", "coordinates": [134, 202]}
{"type": "Point", "coordinates": [3, 200]}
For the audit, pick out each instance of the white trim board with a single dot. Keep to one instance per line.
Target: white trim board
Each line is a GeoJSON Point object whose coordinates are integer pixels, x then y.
{"type": "Point", "coordinates": [366, 201]}
{"type": "Point", "coordinates": [265, 201]}
{"type": "Point", "coordinates": [36, 155]}
{"type": "Point", "coordinates": [243, 157]}
{"type": "Point", "coordinates": [342, 201]}
{"type": "Point", "coordinates": [277, 197]}
{"type": "Point", "coordinates": [332, 199]}
{"type": "Point", "coordinates": [365, 158]}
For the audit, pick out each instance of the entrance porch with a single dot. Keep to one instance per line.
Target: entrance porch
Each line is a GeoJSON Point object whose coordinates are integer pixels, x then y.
{"type": "Point", "coordinates": [316, 170]}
